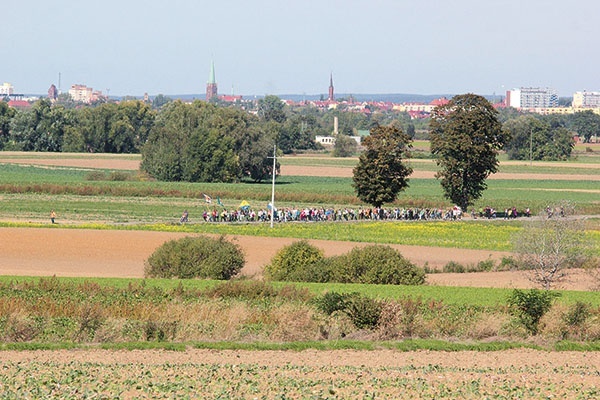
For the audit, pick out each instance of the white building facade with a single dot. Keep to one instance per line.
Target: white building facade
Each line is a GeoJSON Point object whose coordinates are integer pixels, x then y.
{"type": "Point", "coordinates": [7, 89]}
{"type": "Point", "coordinates": [532, 98]}
{"type": "Point", "coordinates": [586, 99]}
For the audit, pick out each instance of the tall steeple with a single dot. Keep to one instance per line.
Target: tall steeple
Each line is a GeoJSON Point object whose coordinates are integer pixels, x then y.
{"type": "Point", "coordinates": [331, 96]}
{"type": "Point", "coordinates": [211, 85]}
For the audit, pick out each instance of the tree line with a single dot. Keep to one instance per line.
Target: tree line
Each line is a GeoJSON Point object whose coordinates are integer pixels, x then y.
{"type": "Point", "coordinates": [218, 142]}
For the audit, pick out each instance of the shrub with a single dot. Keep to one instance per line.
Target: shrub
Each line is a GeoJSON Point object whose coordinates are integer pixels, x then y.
{"type": "Point", "coordinates": [299, 262]}
{"type": "Point", "coordinates": [378, 264]}
{"type": "Point", "coordinates": [95, 176]}
{"type": "Point", "coordinates": [196, 257]}
{"type": "Point", "coordinates": [364, 312]}
{"type": "Point", "coordinates": [508, 264]}
{"type": "Point", "coordinates": [119, 176]}
{"type": "Point", "coordinates": [530, 306]}
{"type": "Point", "coordinates": [401, 318]}
{"type": "Point", "coordinates": [577, 314]}
{"type": "Point", "coordinates": [331, 302]}
{"type": "Point", "coordinates": [454, 267]}
{"type": "Point", "coordinates": [486, 265]}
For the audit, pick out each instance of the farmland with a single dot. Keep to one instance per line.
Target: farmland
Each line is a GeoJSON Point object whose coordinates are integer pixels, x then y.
{"type": "Point", "coordinates": [382, 370]}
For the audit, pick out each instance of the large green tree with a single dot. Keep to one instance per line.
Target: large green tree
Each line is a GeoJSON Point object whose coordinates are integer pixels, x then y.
{"type": "Point", "coordinates": [201, 142]}
{"type": "Point", "coordinates": [537, 138]}
{"type": "Point", "coordinates": [40, 128]}
{"type": "Point", "coordinates": [465, 139]}
{"type": "Point", "coordinates": [271, 108]}
{"type": "Point", "coordinates": [344, 146]}
{"type": "Point", "coordinates": [586, 124]}
{"type": "Point", "coordinates": [381, 173]}
{"type": "Point", "coordinates": [6, 115]}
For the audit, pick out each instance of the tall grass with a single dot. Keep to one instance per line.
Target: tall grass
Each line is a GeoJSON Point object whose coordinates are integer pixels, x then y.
{"type": "Point", "coordinates": [52, 310]}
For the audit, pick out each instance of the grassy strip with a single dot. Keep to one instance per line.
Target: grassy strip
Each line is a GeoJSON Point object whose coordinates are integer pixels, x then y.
{"type": "Point", "coordinates": [325, 345]}
{"type": "Point", "coordinates": [451, 295]}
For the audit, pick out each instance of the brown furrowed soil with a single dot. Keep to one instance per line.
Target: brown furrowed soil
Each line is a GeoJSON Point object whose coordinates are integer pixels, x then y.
{"type": "Point", "coordinates": [343, 374]}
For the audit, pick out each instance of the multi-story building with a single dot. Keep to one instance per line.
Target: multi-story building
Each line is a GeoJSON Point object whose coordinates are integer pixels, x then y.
{"type": "Point", "coordinates": [81, 93]}
{"type": "Point", "coordinates": [531, 97]}
{"type": "Point", "coordinates": [586, 99]}
{"type": "Point", "coordinates": [7, 89]}
{"type": "Point", "coordinates": [84, 94]}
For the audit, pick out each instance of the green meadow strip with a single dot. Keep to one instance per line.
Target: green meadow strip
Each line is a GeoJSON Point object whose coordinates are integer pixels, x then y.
{"type": "Point", "coordinates": [451, 295]}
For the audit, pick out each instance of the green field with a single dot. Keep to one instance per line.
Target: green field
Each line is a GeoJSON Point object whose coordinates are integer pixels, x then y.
{"type": "Point", "coordinates": [30, 192]}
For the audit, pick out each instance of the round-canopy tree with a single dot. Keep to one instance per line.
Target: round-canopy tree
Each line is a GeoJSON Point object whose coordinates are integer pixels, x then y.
{"type": "Point", "coordinates": [465, 137]}
{"type": "Point", "coordinates": [537, 138]}
{"type": "Point", "coordinates": [380, 174]}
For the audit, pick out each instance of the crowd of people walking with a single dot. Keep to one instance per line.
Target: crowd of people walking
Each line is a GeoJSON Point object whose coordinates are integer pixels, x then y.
{"type": "Point", "coordinates": [318, 214]}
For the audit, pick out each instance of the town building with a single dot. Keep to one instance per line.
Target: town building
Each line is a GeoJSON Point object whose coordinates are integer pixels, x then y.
{"type": "Point", "coordinates": [84, 94]}
{"type": "Point", "coordinates": [53, 93]}
{"type": "Point", "coordinates": [7, 89]}
{"type": "Point", "coordinates": [532, 97]}
{"type": "Point", "coordinates": [586, 100]}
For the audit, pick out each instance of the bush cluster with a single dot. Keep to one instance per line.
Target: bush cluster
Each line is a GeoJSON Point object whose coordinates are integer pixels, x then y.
{"type": "Point", "coordinates": [363, 311]}
{"type": "Point", "coordinates": [374, 264]}
{"type": "Point", "coordinates": [196, 257]}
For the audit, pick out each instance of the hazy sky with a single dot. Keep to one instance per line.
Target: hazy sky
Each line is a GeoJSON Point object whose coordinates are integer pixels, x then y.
{"type": "Point", "coordinates": [284, 47]}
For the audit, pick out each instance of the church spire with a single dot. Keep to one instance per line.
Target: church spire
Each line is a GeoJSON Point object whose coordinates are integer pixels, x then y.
{"type": "Point", "coordinates": [211, 75]}
{"type": "Point", "coordinates": [331, 96]}
{"type": "Point", "coordinates": [211, 85]}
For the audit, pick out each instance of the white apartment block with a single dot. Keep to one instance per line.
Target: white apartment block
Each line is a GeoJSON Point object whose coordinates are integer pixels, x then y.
{"type": "Point", "coordinates": [586, 99]}
{"type": "Point", "coordinates": [81, 93]}
{"type": "Point", "coordinates": [532, 98]}
{"type": "Point", "coordinates": [7, 89]}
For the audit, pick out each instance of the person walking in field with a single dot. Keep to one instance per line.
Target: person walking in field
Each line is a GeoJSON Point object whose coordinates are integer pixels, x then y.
{"type": "Point", "coordinates": [52, 216]}
{"type": "Point", "coordinates": [184, 217]}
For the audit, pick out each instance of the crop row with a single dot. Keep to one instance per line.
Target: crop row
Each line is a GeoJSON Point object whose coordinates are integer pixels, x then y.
{"type": "Point", "coordinates": [108, 379]}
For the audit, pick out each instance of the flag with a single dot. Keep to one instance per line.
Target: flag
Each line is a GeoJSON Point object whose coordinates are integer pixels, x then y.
{"type": "Point", "coordinates": [219, 202]}
{"type": "Point", "coordinates": [207, 198]}
{"type": "Point", "coordinates": [244, 205]}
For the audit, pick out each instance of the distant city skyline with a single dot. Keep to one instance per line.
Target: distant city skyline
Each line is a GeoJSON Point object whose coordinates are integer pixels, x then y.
{"type": "Point", "coordinates": [260, 47]}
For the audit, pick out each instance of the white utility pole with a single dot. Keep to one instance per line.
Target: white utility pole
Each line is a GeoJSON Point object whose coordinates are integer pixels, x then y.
{"type": "Point", "coordinates": [273, 186]}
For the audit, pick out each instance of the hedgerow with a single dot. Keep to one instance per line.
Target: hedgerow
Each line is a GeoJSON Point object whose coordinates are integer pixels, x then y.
{"type": "Point", "coordinates": [373, 264]}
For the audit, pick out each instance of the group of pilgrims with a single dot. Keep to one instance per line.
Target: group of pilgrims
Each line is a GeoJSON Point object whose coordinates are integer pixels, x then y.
{"type": "Point", "coordinates": [321, 214]}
